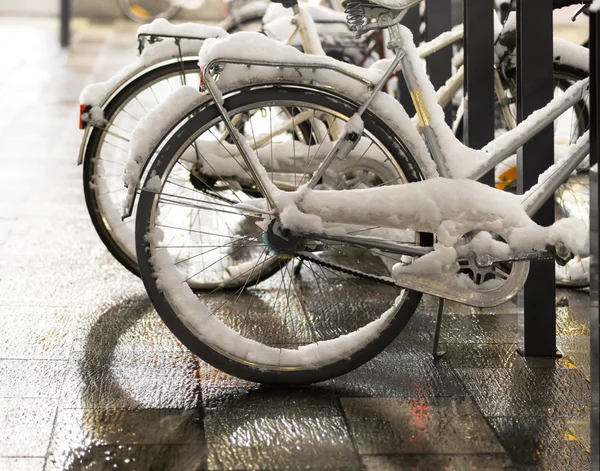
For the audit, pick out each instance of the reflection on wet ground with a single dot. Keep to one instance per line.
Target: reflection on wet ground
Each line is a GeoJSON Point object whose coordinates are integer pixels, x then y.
{"type": "Point", "coordinates": [90, 378]}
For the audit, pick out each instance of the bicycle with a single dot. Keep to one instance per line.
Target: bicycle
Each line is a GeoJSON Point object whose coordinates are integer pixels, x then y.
{"type": "Point", "coordinates": [165, 64]}
{"type": "Point", "coordinates": [310, 284]}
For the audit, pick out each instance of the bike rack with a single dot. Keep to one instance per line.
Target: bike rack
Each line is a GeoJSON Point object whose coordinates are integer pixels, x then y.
{"type": "Point", "coordinates": [65, 23]}
{"type": "Point", "coordinates": [594, 237]}
{"type": "Point", "coordinates": [478, 120]}
{"type": "Point", "coordinates": [537, 301]}
{"type": "Point", "coordinates": [438, 20]}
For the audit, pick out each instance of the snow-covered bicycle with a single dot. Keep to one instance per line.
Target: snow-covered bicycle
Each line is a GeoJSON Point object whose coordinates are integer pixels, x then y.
{"type": "Point", "coordinates": [309, 280]}
{"type": "Point", "coordinates": [168, 60]}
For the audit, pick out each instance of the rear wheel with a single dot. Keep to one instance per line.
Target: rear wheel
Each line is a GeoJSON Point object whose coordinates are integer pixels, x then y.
{"type": "Point", "coordinates": [280, 309]}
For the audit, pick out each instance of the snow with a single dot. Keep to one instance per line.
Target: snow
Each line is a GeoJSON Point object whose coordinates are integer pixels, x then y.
{"type": "Point", "coordinates": [189, 4]}
{"type": "Point", "coordinates": [153, 184]}
{"type": "Point", "coordinates": [568, 53]}
{"type": "Point", "coordinates": [595, 6]}
{"type": "Point", "coordinates": [449, 208]}
{"type": "Point", "coordinates": [162, 27]}
{"type": "Point", "coordinates": [96, 94]}
{"type": "Point", "coordinates": [309, 34]}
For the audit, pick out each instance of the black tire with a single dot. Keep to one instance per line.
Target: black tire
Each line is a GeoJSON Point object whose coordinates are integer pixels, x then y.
{"type": "Point", "coordinates": [91, 183]}
{"type": "Point", "coordinates": [186, 134]}
{"type": "Point", "coordinates": [141, 12]}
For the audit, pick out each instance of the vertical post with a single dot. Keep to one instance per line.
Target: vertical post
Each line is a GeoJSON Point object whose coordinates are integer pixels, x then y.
{"type": "Point", "coordinates": [438, 20]}
{"type": "Point", "coordinates": [412, 21]}
{"type": "Point", "coordinates": [537, 302]}
{"type": "Point", "coordinates": [594, 236]}
{"type": "Point", "coordinates": [65, 22]}
{"type": "Point", "coordinates": [479, 76]}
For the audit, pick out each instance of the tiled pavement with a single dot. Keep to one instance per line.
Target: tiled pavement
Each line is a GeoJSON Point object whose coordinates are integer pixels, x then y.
{"type": "Point", "coordinates": [91, 379]}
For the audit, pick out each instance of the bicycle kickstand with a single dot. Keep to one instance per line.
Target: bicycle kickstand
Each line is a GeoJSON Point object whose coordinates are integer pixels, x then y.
{"type": "Point", "coordinates": [437, 354]}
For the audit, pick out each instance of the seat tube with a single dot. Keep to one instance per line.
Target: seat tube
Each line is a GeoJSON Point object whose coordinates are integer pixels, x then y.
{"type": "Point", "coordinates": [407, 65]}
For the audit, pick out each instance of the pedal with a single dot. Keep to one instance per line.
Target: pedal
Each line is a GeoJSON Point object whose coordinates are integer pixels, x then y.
{"type": "Point", "coordinates": [561, 254]}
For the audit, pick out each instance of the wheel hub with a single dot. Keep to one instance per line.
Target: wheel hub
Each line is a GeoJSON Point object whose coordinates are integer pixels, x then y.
{"type": "Point", "coordinates": [282, 242]}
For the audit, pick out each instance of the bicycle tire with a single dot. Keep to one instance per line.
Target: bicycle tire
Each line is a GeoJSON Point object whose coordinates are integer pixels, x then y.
{"type": "Point", "coordinates": [186, 134]}
{"type": "Point", "coordinates": [119, 246]}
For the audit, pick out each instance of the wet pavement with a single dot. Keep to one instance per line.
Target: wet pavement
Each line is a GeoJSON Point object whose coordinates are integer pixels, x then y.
{"type": "Point", "coordinates": [90, 378]}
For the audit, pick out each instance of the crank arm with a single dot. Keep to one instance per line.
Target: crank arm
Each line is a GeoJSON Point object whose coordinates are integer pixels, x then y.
{"type": "Point", "coordinates": [488, 260]}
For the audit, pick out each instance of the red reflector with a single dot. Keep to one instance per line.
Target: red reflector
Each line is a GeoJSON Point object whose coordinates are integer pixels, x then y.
{"type": "Point", "coordinates": [83, 110]}
{"type": "Point", "coordinates": [202, 83]}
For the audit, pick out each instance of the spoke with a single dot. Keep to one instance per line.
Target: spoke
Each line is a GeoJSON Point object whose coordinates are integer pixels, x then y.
{"type": "Point", "coordinates": [141, 104]}
{"type": "Point", "coordinates": [230, 154]}
{"type": "Point", "coordinates": [307, 316]}
{"type": "Point", "coordinates": [114, 145]}
{"type": "Point", "coordinates": [360, 158]}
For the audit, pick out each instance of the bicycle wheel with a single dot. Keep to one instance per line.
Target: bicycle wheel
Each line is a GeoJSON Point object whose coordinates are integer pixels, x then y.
{"type": "Point", "coordinates": [107, 151]}
{"type": "Point", "coordinates": [145, 11]}
{"type": "Point", "coordinates": [288, 319]}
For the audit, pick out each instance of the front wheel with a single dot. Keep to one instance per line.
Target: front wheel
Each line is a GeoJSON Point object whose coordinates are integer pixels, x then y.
{"type": "Point", "coordinates": [306, 315]}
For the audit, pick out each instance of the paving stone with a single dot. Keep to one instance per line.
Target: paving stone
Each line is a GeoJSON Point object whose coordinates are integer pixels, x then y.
{"type": "Point", "coordinates": [479, 328]}
{"type": "Point", "coordinates": [31, 332]}
{"type": "Point", "coordinates": [132, 381]}
{"type": "Point", "coordinates": [32, 378]}
{"type": "Point", "coordinates": [494, 462]}
{"type": "Point", "coordinates": [280, 429]}
{"type": "Point", "coordinates": [418, 425]}
{"type": "Point", "coordinates": [568, 321]}
{"type": "Point", "coordinates": [84, 435]}
{"type": "Point", "coordinates": [219, 389]}
{"type": "Point", "coordinates": [524, 391]}
{"type": "Point", "coordinates": [22, 464]}
{"type": "Point", "coordinates": [25, 426]}
{"type": "Point", "coordinates": [132, 457]}
{"type": "Point", "coordinates": [485, 355]}
{"type": "Point", "coordinates": [399, 371]}
{"type": "Point", "coordinates": [129, 326]}
{"type": "Point", "coordinates": [545, 443]}
{"type": "Point", "coordinates": [577, 350]}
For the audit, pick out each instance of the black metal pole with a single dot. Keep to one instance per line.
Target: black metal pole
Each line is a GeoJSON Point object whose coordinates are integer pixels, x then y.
{"type": "Point", "coordinates": [479, 76]}
{"type": "Point", "coordinates": [65, 22]}
{"type": "Point", "coordinates": [412, 21]}
{"type": "Point", "coordinates": [537, 303]}
{"type": "Point", "coordinates": [594, 237]}
{"type": "Point", "coordinates": [438, 20]}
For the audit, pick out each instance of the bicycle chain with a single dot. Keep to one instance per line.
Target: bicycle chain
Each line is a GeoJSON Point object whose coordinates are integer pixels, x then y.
{"type": "Point", "coordinates": [346, 270]}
